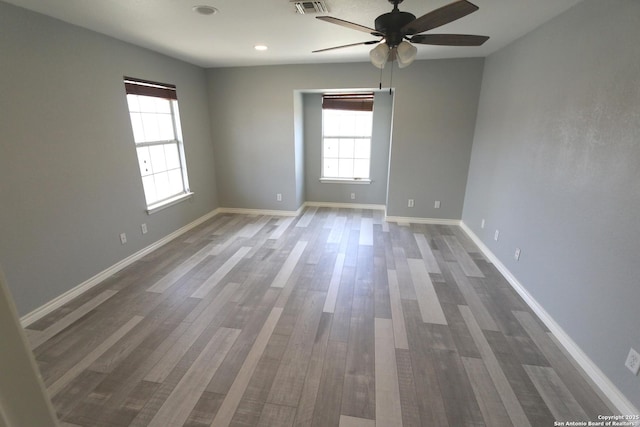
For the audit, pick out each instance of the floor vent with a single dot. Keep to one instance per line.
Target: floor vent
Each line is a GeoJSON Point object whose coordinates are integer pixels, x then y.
{"type": "Point", "coordinates": [305, 7]}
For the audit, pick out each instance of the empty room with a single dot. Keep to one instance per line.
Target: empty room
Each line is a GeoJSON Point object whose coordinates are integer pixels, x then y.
{"type": "Point", "coordinates": [327, 213]}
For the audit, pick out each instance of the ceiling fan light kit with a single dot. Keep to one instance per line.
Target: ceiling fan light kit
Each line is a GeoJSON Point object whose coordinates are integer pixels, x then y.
{"type": "Point", "coordinates": [398, 31]}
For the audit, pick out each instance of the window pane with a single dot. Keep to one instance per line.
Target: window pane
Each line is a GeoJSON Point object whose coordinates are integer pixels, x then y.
{"type": "Point", "coordinates": [346, 148]}
{"type": "Point", "coordinates": [361, 168]}
{"type": "Point", "coordinates": [147, 104]}
{"type": "Point", "coordinates": [172, 156]}
{"type": "Point", "coordinates": [175, 182]}
{"type": "Point", "coordinates": [165, 125]}
{"type": "Point", "coordinates": [158, 162]}
{"type": "Point", "coordinates": [364, 124]}
{"type": "Point", "coordinates": [330, 168]}
{"type": "Point", "coordinates": [362, 148]}
{"type": "Point", "coordinates": [136, 125]}
{"type": "Point", "coordinates": [144, 159]}
{"type": "Point", "coordinates": [150, 125]}
{"type": "Point", "coordinates": [345, 168]}
{"type": "Point", "coordinates": [163, 189]}
{"type": "Point", "coordinates": [330, 147]}
{"type": "Point", "coordinates": [347, 124]}
{"type": "Point", "coordinates": [132, 100]}
{"type": "Point", "coordinates": [163, 105]}
{"type": "Point", "coordinates": [149, 189]}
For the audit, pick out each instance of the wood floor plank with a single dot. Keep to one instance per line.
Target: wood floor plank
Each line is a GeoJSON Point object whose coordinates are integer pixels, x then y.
{"type": "Point", "coordinates": [508, 397]}
{"type": "Point", "coordinates": [283, 224]}
{"type": "Point", "coordinates": [430, 308]}
{"type": "Point", "coordinates": [308, 397]}
{"type": "Point", "coordinates": [327, 410]}
{"type": "Point", "coordinates": [407, 390]}
{"type": "Point", "coordinates": [90, 358]}
{"type": "Point", "coordinates": [555, 394]}
{"type": "Point", "coordinates": [232, 400]}
{"type": "Point", "coordinates": [366, 232]}
{"type": "Point", "coordinates": [307, 216]}
{"type": "Point", "coordinates": [397, 316]}
{"type": "Point", "coordinates": [216, 277]}
{"type": "Point", "coordinates": [347, 421]}
{"type": "Point", "coordinates": [467, 264]}
{"type": "Point", "coordinates": [276, 416]}
{"type": "Point", "coordinates": [479, 310]}
{"type": "Point", "coordinates": [290, 263]}
{"type": "Point", "coordinates": [491, 406]}
{"type": "Point", "coordinates": [289, 381]}
{"type": "Point", "coordinates": [187, 392]}
{"type": "Point", "coordinates": [427, 254]}
{"type": "Point", "coordinates": [175, 274]}
{"type": "Point", "coordinates": [388, 407]}
{"type": "Point", "coordinates": [334, 285]}
{"type": "Point", "coordinates": [583, 393]}
{"type": "Point", "coordinates": [36, 339]}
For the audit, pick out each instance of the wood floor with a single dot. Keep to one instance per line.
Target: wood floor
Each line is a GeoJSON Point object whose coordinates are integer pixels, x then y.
{"type": "Point", "coordinates": [333, 318]}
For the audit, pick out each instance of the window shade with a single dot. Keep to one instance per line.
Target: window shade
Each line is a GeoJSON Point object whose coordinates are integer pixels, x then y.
{"type": "Point", "coordinates": [348, 101]}
{"type": "Point", "coordinates": [149, 88]}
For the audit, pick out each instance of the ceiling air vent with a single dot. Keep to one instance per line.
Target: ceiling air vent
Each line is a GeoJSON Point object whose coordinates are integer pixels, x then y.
{"type": "Point", "coordinates": [304, 7]}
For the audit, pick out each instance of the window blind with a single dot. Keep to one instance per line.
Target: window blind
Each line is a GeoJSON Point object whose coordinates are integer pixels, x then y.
{"type": "Point", "coordinates": [149, 88]}
{"type": "Point", "coordinates": [348, 101]}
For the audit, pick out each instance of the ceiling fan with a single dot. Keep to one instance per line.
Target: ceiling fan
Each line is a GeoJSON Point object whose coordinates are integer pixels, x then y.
{"type": "Point", "coordinates": [398, 30]}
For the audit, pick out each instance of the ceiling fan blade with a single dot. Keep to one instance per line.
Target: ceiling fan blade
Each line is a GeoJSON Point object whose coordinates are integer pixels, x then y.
{"type": "Point", "coordinates": [449, 39]}
{"type": "Point", "coordinates": [348, 24]}
{"type": "Point", "coordinates": [347, 45]}
{"type": "Point", "coordinates": [439, 17]}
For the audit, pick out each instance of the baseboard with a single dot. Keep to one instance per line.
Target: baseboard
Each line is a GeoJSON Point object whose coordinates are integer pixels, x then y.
{"type": "Point", "coordinates": [623, 405]}
{"type": "Point", "coordinates": [346, 205]}
{"type": "Point", "coordinates": [410, 219]}
{"type": "Point", "coordinates": [245, 211]}
{"type": "Point", "coordinates": [64, 298]}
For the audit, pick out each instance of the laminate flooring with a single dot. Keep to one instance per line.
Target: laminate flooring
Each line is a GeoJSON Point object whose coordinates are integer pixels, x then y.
{"type": "Point", "coordinates": [333, 318]}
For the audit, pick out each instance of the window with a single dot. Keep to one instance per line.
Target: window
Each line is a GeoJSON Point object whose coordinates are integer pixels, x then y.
{"type": "Point", "coordinates": [347, 122]}
{"type": "Point", "coordinates": [153, 108]}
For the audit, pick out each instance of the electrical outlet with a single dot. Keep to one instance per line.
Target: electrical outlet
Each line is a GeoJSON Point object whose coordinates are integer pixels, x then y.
{"type": "Point", "coordinates": [516, 255]}
{"type": "Point", "coordinates": [437, 204]}
{"type": "Point", "coordinates": [143, 227]}
{"type": "Point", "coordinates": [353, 196]}
{"type": "Point", "coordinates": [482, 223]}
{"type": "Point", "coordinates": [410, 203]}
{"type": "Point", "coordinates": [633, 361]}
{"type": "Point", "coordinates": [496, 235]}
{"type": "Point", "coordinates": [123, 238]}
{"type": "Point", "coordinates": [279, 197]}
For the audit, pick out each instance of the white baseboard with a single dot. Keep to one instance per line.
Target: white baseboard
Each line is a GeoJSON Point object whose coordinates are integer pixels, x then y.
{"type": "Point", "coordinates": [623, 405]}
{"type": "Point", "coordinates": [64, 298]}
{"type": "Point", "coordinates": [410, 219]}
{"type": "Point", "coordinates": [244, 211]}
{"type": "Point", "coordinates": [346, 205]}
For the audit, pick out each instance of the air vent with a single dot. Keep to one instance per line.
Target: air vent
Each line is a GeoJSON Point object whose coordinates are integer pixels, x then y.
{"type": "Point", "coordinates": [304, 7]}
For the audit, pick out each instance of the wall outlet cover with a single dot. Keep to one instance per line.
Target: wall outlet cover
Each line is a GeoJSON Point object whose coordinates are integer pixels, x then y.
{"type": "Point", "coordinates": [633, 361]}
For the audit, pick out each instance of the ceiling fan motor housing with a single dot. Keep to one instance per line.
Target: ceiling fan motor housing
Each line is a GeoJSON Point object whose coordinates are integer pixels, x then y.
{"type": "Point", "coordinates": [390, 24]}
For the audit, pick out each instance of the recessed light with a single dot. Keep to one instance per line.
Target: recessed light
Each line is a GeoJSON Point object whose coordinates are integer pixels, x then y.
{"type": "Point", "coordinates": [260, 47]}
{"type": "Point", "coordinates": [205, 10]}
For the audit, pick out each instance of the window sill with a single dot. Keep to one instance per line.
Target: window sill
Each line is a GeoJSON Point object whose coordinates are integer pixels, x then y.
{"type": "Point", "coordinates": [344, 181]}
{"type": "Point", "coordinates": [157, 207]}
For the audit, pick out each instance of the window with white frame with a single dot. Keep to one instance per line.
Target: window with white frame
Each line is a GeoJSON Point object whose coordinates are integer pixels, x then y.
{"type": "Point", "coordinates": [155, 120]}
{"type": "Point", "coordinates": [347, 122]}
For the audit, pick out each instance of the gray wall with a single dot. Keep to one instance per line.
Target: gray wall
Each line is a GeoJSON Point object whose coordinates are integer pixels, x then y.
{"type": "Point", "coordinates": [556, 167]}
{"type": "Point", "coordinates": [374, 193]}
{"type": "Point", "coordinates": [69, 177]}
{"type": "Point", "coordinates": [252, 118]}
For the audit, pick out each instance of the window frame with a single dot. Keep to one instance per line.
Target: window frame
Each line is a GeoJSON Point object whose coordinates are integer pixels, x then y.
{"type": "Point", "coordinates": [353, 102]}
{"type": "Point", "coordinates": [164, 91]}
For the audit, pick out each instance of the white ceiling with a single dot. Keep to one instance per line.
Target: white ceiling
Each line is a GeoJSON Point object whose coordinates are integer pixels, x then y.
{"type": "Point", "coordinates": [227, 38]}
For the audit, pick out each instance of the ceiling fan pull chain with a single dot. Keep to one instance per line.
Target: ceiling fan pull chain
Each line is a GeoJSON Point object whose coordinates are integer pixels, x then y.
{"type": "Point", "coordinates": [391, 79]}
{"type": "Point", "coordinates": [380, 86]}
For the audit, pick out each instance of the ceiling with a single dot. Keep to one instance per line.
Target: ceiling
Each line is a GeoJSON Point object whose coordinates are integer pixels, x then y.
{"type": "Point", "coordinates": [228, 37]}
